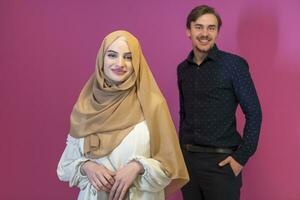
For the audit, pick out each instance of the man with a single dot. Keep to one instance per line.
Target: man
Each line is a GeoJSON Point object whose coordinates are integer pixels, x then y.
{"type": "Point", "coordinates": [212, 83]}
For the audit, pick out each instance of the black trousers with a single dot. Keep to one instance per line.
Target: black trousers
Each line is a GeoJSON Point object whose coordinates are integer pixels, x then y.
{"type": "Point", "coordinates": [208, 181]}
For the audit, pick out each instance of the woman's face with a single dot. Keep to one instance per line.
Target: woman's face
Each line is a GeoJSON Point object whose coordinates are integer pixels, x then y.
{"type": "Point", "coordinates": [117, 61]}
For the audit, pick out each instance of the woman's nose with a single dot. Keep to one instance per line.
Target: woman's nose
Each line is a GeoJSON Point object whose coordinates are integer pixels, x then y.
{"type": "Point", "coordinates": [121, 62]}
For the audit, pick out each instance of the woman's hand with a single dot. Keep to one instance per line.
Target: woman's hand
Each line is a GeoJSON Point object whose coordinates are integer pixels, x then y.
{"type": "Point", "coordinates": [99, 176]}
{"type": "Point", "coordinates": [124, 179]}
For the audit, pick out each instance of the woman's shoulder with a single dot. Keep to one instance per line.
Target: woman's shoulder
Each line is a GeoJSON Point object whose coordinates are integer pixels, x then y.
{"type": "Point", "coordinates": [73, 140]}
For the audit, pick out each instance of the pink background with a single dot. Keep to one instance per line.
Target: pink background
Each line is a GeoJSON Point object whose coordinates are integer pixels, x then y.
{"type": "Point", "coordinates": [48, 51]}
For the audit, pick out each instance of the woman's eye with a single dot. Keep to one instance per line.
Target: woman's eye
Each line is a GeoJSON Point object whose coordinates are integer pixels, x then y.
{"type": "Point", "coordinates": [128, 57]}
{"type": "Point", "coordinates": [112, 55]}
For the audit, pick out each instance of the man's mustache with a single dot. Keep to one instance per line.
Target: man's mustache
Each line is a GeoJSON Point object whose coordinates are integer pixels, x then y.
{"type": "Point", "coordinates": [204, 38]}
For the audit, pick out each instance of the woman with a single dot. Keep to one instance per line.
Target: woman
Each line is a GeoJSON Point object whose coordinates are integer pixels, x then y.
{"type": "Point", "coordinates": [122, 142]}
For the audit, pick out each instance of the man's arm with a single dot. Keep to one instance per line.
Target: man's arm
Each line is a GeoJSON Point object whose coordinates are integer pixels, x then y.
{"type": "Point", "coordinates": [247, 97]}
{"type": "Point", "coordinates": [181, 103]}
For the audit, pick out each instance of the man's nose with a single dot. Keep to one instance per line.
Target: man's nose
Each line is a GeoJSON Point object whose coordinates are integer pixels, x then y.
{"type": "Point", "coordinates": [204, 32]}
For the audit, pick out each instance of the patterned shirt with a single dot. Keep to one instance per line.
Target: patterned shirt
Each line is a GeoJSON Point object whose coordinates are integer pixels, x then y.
{"type": "Point", "coordinates": [209, 95]}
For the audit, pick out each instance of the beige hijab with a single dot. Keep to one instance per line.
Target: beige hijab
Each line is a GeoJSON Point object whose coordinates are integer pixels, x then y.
{"type": "Point", "coordinates": [105, 113]}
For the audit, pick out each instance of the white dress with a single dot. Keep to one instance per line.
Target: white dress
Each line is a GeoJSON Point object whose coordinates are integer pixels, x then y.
{"type": "Point", "coordinates": [135, 146]}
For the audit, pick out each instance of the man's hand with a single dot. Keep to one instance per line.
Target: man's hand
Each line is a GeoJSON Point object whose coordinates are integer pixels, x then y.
{"type": "Point", "coordinates": [235, 166]}
{"type": "Point", "coordinates": [124, 179]}
{"type": "Point", "coordinates": [99, 176]}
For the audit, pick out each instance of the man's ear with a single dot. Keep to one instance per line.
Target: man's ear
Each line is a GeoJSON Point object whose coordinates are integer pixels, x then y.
{"type": "Point", "coordinates": [188, 33]}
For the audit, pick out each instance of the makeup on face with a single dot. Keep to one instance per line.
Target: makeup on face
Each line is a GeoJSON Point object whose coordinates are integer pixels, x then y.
{"type": "Point", "coordinates": [118, 61]}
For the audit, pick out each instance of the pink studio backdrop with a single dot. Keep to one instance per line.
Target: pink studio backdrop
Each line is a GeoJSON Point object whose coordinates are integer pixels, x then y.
{"type": "Point", "coordinates": [48, 51]}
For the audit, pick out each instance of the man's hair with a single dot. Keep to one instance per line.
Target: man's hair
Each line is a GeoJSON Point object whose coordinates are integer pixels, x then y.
{"type": "Point", "coordinates": [199, 11]}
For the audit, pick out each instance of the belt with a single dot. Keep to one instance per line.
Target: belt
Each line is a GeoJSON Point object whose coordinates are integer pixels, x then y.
{"type": "Point", "coordinates": [206, 149]}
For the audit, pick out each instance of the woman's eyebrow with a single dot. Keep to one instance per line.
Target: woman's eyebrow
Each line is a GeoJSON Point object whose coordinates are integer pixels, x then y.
{"type": "Point", "coordinates": [112, 51]}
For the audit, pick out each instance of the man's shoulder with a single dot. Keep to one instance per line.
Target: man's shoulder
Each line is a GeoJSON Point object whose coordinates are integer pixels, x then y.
{"type": "Point", "coordinates": [182, 64]}
{"type": "Point", "coordinates": [231, 56]}
{"type": "Point", "coordinates": [232, 61]}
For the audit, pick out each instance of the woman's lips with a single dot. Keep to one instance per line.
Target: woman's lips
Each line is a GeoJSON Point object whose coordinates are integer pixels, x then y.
{"type": "Point", "coordinates": [118, 71]}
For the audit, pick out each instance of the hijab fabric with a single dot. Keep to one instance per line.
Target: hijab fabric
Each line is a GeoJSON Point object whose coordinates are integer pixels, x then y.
{"type": "Point", "coordinates": [105, 113]}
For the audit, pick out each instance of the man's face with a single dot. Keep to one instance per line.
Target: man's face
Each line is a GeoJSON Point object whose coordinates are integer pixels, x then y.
{"type": "Point", "coordinates": [203, 32]}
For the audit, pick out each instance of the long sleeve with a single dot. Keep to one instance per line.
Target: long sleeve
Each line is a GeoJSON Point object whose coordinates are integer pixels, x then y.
{"type": "Point", "coordinates": [69, 165]}
{"type": "Point", "coordinates": [135, 146]}
{"type": "Point", "coordinates": [154, 178]}
{"type": "Point", "coordinates": [246, 95]}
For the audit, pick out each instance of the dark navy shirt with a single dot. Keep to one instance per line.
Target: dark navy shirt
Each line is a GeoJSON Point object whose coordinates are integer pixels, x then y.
{"type": "Point", "coordinates": [209, 96]}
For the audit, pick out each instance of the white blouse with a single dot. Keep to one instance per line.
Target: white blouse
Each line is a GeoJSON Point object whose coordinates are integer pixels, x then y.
{"type": "Point", "coordinates": [135, 146]}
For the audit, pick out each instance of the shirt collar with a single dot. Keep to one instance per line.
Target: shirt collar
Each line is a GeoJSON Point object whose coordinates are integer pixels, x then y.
{"type": "Point", "coordinates": [212, 54]}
